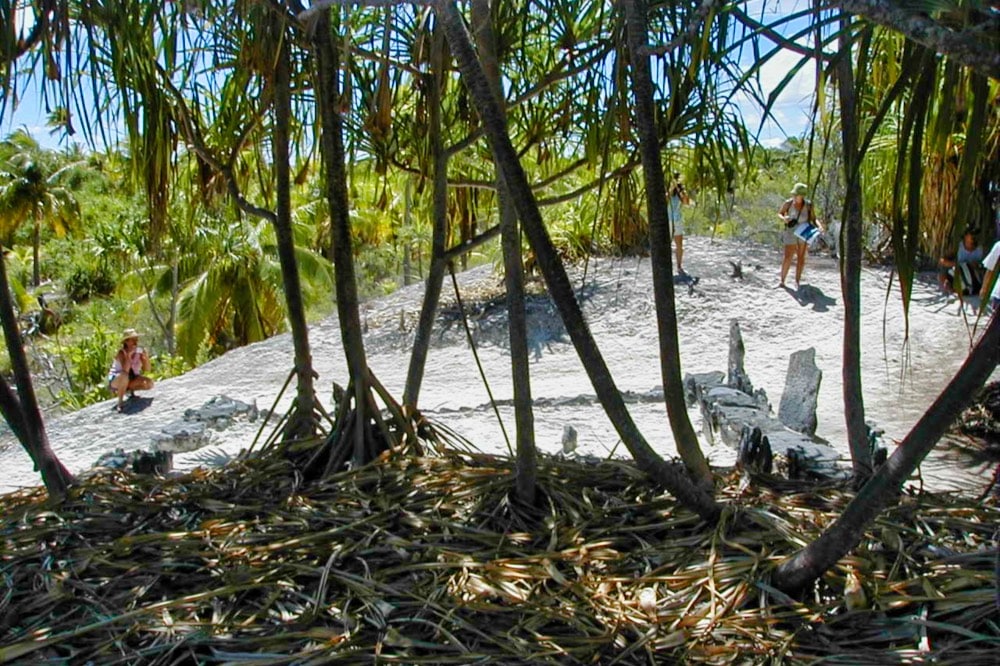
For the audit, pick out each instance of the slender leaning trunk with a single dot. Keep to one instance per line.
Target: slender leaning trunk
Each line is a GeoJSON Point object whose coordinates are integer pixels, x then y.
{"type": "Point", "coordinates": [348, 310]}
{"type": "Point", "coordinates": [21, 410]}
{"type": "Point", "coordinates": [302, 423]}
{"type": "Point", "coordinates": [674, 479]}
{"type": "Point", "coordinates": [510, 241]}
{"type": "Point", "coordinates": [850, 267]}
{"type": "Point", "coordinates": [435, 276]}
{"type": "Point", "coordinates": [659, 243]}
{"type": "Point", "coordinates": [883, 487]}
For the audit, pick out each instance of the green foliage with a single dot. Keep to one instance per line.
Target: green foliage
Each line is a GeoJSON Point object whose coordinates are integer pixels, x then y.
{"type": "Point", "coordinates": [89, 280]}
{"type": "Point", "coordinates": [575, 230]}
{"type": "Point", "coordinates": [88, 358]}
{"type": "Point", "coordinates": [165, 365]}
{"type": "Point", "coordinates": [19, 274]}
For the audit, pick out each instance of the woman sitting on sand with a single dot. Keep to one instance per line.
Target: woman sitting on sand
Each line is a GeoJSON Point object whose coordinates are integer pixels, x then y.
{"type": "Point", "coordinates": [794, 212]}
{"type": "Point", "coordinates": [126, 370]}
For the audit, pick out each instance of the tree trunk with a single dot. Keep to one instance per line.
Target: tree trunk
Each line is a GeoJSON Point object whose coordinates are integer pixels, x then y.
{"type": "Point", "coordinates": [435, 276]}
{"type": "Point", "coordinates": [36, 250]}
{"type": "Point", "coordinates": [674, 479]}
{"type": "Point", "coordinates": [10, 407]}
{"type": "Point", "coordinates": [850, 266]}
{"type": "Point", "coordinates": [302, 423]}
{"type": "Point", "coordinates": [407, 224]}
{"type": "Point", "coordinates": [348, 310]}
{"type": "Point", "coordinates": [883, 487]}
{"type": "Point", "coordinates": [175, 293]}
{"type": "Point", "coordinates": [527, 465]}
{"type": "Point", "coordinates": [659, 244]}
{"type": "Point", "coordinates": [21, 410]}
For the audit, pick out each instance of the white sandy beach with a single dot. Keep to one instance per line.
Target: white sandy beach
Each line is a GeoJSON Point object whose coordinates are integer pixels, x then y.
{"type": "Point", "coordinates": [900, 380]}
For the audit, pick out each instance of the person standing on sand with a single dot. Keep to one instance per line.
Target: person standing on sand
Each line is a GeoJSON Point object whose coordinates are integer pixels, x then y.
{"type": "Point", "coordinates": [127, 368]}
{"type": "Point", "coordinates": [794, 212]}
{"type": "Point", "coordinates": [677, 196]}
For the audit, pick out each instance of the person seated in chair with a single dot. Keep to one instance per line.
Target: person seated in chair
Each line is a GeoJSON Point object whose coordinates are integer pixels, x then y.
{"type": "Point", "coordinates": [967, 263]}
{"type": "Point", "coordinates": [127, 369]}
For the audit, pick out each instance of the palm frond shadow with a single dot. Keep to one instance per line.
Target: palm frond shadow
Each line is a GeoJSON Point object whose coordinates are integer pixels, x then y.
{"type": "Point", "coordinates": [210, 457]}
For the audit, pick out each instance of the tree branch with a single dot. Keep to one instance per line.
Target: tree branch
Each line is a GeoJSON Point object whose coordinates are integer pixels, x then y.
{"type": "Point", "coordinates": [974, 46]}
{"type": "Point", "coordinates": [468, 246]}
{"type": "Point", "coordinates": [695, 25]}
{"type": "Point", "coordinates": [192, 134]}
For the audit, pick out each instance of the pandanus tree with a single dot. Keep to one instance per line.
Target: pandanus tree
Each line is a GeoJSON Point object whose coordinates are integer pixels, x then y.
{"type": "Point", "coordinates": [303, 423]}
{"type": "Point", "coordinates": [361, 433]}
{"type": "Point", "coordinates": [481, 91]}
{"type": "Point", "coordinates": [819, 53]}
{"type": "Point", "coordinates": [20, 408]}
{"type": "Point", "coordinates": [250, 72]}
{"type": "Point", "coordinates": [510, 241]}
{"type": "Point", "coordinates": [496, 25]}
{"type": "Point", "coordinates": [863, 49]}
{"type": "Point", "coordinates": [850, 264]}
{"type": "Point", "coordinates": [637, 32]}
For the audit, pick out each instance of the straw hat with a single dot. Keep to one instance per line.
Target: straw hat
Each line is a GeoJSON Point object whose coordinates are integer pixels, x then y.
{"type": "Point", "coordinates": [129, 334]}
{"type": "Point", "coordinates": [800, 189]}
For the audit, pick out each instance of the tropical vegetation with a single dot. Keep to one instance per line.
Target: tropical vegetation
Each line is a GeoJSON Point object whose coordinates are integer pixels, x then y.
{"type": "Point", "coordinates": [271, 147]}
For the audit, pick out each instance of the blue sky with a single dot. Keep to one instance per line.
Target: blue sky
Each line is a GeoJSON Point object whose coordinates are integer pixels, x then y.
{"type": "Point", "coordinates": [791, 110]}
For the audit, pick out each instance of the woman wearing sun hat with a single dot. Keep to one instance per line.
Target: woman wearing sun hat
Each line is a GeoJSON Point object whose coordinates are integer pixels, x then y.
{"type": "Point", "coordinates": [128, 367]}
{"type": "Point", "coordinates": [794, 212]}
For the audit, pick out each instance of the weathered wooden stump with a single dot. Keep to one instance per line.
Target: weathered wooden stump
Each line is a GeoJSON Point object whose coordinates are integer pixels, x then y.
{"type": "Point", "coordinates": [736, 414]}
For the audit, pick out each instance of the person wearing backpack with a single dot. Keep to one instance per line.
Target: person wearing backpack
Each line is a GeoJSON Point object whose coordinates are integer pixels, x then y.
{"type": "Point", "coordinates": [795, 211]}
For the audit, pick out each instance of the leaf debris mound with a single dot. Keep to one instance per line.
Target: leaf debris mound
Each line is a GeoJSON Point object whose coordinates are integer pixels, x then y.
{"type": "Point", "coordinates": [427, 560]}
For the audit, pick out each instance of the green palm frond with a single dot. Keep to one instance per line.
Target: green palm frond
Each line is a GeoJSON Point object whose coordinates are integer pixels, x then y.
{"type": "Point", "coordinates": [200, 301]}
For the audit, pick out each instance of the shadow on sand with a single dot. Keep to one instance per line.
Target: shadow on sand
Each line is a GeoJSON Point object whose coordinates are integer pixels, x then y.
{"type": "Point", "coordinates": [957, 305]}
{"type": "Point", "coordinates": [689, 281]}
{"type": "Point", "coordinates": [136, 404]}
{"type": "Point", "coordinates": [807, 294]}
{"type": "Point", "coordinates": [210, 457]}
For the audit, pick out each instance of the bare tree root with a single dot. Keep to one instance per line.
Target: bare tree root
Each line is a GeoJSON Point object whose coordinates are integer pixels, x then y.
{"type": "Point", "coordinates": [360, 433]}
{"type": "Point", "coordinates": [305, 418]}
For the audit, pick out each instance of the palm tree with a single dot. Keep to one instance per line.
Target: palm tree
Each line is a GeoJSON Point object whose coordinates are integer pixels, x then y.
{"type": "Point", "coordinates": [232, 283]}
{"type": "Point", "coordinates": [234, 300]}
{"type": "Point", "coordinates": [30, 190]}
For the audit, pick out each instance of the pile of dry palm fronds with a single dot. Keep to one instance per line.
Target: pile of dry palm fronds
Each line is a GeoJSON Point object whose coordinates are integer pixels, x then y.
{"type": "Point", "coordinates": [426, 561]}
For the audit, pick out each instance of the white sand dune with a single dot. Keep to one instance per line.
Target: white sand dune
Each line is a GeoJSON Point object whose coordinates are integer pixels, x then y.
{"type": "Point", "coordinates": [900, 380]}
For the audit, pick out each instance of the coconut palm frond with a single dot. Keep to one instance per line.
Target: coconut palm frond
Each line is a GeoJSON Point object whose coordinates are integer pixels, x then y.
{"type": "Point", "coordinates": [198, 311]}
